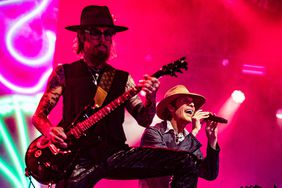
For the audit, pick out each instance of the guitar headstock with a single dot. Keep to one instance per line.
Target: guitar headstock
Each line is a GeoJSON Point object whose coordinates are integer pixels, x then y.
{"type": "Point", "coordinates": [172, 68]}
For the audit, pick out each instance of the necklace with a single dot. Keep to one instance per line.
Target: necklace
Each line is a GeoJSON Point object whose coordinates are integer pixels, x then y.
{"type": "Point", "coordinates": [179, 137]}
{"type": "Point", "coordinates": [94, 75]}
{"type": "Point", "coordinates": [95, 78]}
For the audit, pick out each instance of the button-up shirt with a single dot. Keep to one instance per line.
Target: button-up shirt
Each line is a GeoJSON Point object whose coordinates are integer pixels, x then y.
{"type": "Point", "coordinates": [179, 137]}
{"type": "Point", "coordinates": [162, 135]}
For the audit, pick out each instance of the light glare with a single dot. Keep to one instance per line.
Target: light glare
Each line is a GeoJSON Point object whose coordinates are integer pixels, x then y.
{"type": "Point", "coordinates": [238, 96]}
{"type": "Point", "coordinates": [279, 114]}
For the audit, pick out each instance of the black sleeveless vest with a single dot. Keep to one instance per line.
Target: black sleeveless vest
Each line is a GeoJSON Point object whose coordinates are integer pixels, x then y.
{"type": "Point", "coordinates": [107, 136]}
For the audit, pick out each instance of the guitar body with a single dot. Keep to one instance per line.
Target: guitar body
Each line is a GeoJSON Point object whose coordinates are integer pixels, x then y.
{"type": "Point", "coordinates": [46, 163]}
{"type": "Point", "coordinates": [49, 164]}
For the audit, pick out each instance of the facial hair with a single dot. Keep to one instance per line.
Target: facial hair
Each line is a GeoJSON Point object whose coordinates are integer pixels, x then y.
{"type": "Point", "coordinates": [102, 53]}
{"type": "Point", "coordinates": [96, 55]}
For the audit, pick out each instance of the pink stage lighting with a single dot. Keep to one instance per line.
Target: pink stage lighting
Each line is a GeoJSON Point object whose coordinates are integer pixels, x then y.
{"type": "Point", "coordinates": [279, 117]}
{"type": "Point", "coordinates": [253, 69]}
{"type": "Point", "coordinates": [238, 96]}
{"type": "Point", "coordinates": [225, 62]}
{"type": "Point", "coordinates": [230, 107]}
{"type": "Point", "coordinates": [279, 114]}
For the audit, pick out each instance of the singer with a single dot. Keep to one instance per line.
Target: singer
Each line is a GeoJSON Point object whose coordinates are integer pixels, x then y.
{"type": "Point", "coordinates": [177, 109]}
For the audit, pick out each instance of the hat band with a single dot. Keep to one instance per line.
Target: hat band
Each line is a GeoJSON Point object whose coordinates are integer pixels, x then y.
{"type": "Point", "coordinates": [97, 22]}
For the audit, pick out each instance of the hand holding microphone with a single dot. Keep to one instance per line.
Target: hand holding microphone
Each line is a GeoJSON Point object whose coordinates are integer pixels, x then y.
{"type": "Point", "coordinates": [212, 128]}
{"type": "Point", "coordinates": [217, 119]}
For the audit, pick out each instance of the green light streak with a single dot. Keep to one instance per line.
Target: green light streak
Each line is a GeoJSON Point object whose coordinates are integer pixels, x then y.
{"type": "Point", "coordinates": [6, 107]}
{"type": "Point", "coordinates": [8, 172]}
{"type": "Point", "coordinates": [12, 150]}
{"type": "Point", "coordinates": [21, 125]}
{"type": "Point", "coordinates": [18, 107]}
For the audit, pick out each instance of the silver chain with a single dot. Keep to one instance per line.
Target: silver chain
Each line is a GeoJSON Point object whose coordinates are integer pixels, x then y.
{"type": "Point", "coordinates": [95, 77]}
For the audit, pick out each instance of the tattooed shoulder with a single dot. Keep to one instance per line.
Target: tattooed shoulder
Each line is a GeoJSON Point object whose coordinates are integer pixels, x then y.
{"type": "Point", "coordinates": [57, 78]}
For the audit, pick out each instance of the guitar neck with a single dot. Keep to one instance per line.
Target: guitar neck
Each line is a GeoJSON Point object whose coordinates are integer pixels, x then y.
{"type": "Point", "coordinates": [79, 129]}
{"type": "Point", "coordinates": [83, 126]}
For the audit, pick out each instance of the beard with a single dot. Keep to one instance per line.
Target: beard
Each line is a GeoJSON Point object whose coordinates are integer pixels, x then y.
{"type": "Point", "coordinates": [101, 53]}
{"type": "Point", "coordinates": [102, 56]}
{"type": "Point", "coordinates": [97, 55]}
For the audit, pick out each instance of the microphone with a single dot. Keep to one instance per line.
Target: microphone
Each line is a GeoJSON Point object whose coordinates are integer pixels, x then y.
{"type": "Point", "coordinates": [216, 119]}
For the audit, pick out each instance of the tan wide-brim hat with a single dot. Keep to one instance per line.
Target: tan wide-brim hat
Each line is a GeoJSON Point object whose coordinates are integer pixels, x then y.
{"type": "Point", "coordinates": [172, 94]}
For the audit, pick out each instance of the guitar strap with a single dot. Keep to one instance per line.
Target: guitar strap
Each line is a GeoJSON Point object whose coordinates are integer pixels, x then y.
{"type": "Point", "coordinates": [104, 86]}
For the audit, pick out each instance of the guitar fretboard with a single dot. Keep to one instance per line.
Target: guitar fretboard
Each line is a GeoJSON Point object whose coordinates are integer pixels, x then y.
{"type": "Point", "coordinates": [79, 129]}
{"type": "Point", "coordinates": [83, 126]}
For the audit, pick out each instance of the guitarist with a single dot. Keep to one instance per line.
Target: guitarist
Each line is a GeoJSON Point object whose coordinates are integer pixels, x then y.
{"type": "Point", "coordinates": [103, 152]}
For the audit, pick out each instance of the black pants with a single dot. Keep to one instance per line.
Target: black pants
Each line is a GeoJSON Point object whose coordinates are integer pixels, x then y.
{"type": "Point", "coordinates": [136, 163]}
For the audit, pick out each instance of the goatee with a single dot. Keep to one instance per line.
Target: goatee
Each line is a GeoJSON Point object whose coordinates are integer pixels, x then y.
{"type": "Point", "coordinates": [102, 56]}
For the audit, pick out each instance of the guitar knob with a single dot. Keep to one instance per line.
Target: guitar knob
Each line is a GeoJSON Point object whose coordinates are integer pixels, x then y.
{"type": "Point", "coordinates": [47, 164]}
{"type": "Point", "coordinates": [37, 153]}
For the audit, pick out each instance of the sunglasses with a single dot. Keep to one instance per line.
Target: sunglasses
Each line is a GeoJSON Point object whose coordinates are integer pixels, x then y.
{"type": "Point", "coordinates": [97, 34]}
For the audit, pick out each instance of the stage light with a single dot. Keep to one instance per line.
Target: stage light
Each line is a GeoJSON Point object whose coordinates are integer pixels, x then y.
{"type": "Point", "coordinates": [27, 90]}
{"type": "Point", "coordinates": [253, 69]}
{"type": "Point", "coordinates": [230, 107]}
{"type": "Point", "coordinates": [19, 26]}
{"type": "Point", "coordinates": [225, 62]}
{"type": "Point", "coordinates": [7, 2]}
{"type": "Point", "coordinates": [238, 96]}
{"type": "Point", "coordinates": [49, 39]}
{"type": "Point", "coordinates": [18, 107]}
{"type": "Point", "coordinates": [279, 117]}
{"type": "Point", "coordinates": [279, 114]}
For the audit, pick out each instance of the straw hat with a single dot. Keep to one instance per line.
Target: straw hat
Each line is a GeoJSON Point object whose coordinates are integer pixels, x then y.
{"type": "Point", "coordinates": [172, 94]}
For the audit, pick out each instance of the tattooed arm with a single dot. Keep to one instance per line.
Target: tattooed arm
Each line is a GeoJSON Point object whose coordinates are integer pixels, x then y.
{"type": "Point", "coordinates": [143, 113]}
{"type": "Point", "coordinates": [47, 103]}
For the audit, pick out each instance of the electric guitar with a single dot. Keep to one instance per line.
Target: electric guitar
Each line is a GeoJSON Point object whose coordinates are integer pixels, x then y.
{"type": "Point", "coordinates": [47, 163]}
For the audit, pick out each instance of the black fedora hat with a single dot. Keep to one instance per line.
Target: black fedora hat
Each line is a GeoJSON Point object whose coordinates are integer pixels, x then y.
{"type": "Point", "coordinates": [96, 16]}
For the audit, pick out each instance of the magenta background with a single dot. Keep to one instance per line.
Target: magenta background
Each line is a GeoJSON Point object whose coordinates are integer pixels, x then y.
{"type": "Point", "coordinates": [206, 32]}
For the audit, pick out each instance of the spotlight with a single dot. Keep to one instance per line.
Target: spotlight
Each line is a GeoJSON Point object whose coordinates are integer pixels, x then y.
{"type": "Point", "coordinates": [279, 117]}
{"type": "Point", "coordinates": [225, 62]}
{"type": "Point", "coordinates": [238, 96]}
{"type": "Point", "coordinates": [279, 114]}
